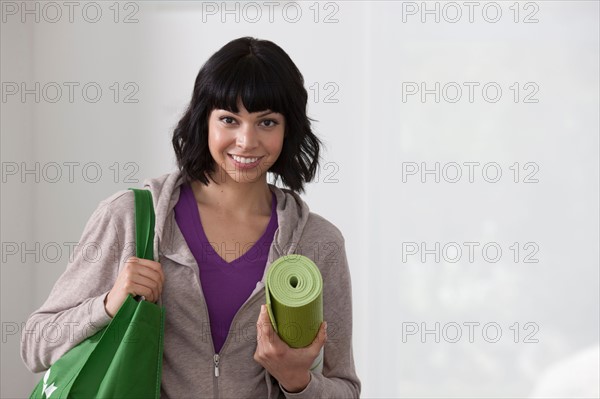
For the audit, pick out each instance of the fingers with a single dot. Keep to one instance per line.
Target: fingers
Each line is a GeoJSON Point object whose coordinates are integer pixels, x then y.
{"type": "Point", "coordinates": [143, 277]}
{"type": "Point", "coordinates": [149, 274]}
{"type": "Point", "coordinates": [137, 289]}
{"type": "Point", "coordinates": [277, 356]}
{"type": "Point", "coordinates": [266, 334]}
{"type": "Point", "coordinates": [143, 281]}
{"type": "Point", "coordinates": [151, 265]}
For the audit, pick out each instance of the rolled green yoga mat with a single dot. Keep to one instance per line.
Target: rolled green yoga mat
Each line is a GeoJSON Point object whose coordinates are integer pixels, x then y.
{"type": "Point", "coordinates": [294, 295]}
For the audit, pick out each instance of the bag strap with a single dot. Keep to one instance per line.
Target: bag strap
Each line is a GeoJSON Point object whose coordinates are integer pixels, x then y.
{"type": "Point", "coordinates": [144, 226]}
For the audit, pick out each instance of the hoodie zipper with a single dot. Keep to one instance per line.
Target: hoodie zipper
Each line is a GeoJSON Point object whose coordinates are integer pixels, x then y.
{"type": "Point", "coordinates": [216, 377]}
{"type": "Point", "coordinates": [217, 356]}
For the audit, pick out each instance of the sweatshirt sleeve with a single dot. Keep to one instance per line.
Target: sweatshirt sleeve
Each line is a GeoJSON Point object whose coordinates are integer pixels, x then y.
{"type": "Point", "coordinates": [75, 308]}
{"type": "Point", "coordinates": [339, 378]}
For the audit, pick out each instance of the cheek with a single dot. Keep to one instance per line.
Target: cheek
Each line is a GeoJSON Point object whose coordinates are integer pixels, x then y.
{"type": "Point", "coordinates": [217, 141]}
{"type": "Point", "coordinates": [276, 144]}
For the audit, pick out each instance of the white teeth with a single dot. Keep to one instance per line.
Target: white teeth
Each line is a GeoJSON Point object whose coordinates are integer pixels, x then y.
{"type": "Point", "coordinates": [244, 160]}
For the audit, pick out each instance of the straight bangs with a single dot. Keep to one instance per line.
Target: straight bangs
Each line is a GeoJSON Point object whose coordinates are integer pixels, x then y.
{"type": "Point", "coordinates": [250, 81]}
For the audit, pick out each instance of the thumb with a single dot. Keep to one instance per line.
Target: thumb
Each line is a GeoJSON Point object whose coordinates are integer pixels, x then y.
{"type": "Point", "coordinates": [264, 317]}
{"type": "Point", "coordinates": [321, 337]}
{"type": "Point", "coordinates": [264, 322]}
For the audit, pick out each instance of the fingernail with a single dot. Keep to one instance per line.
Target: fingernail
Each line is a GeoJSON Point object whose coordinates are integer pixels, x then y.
{"type": "Point", "coordinates": [262, 308]}
{"type": "Point", "coordinates": [325, 326]}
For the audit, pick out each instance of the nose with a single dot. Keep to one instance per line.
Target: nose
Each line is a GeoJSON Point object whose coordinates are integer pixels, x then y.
{"type": "Point", "coordinates": [247, 137]}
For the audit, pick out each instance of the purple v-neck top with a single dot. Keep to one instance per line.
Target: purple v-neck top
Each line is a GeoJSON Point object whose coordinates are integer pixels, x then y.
{"type": "Point", "coordinates": [226, 285]}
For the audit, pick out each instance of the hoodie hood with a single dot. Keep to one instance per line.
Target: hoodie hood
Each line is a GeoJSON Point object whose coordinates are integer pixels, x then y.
{"type": "Point", "coordinates": [292, 214]}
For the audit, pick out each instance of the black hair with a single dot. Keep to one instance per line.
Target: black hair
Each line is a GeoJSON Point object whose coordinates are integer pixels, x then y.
{"type": "Point", "coordinates": [263, 77]}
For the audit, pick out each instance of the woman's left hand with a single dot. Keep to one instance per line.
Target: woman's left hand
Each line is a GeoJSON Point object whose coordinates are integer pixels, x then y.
{"type": "Point", "coordinates": [290, 366]}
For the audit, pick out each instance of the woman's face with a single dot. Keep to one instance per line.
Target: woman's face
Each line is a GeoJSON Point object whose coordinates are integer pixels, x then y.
{"type": "Point", "coordinates": [247, 135]}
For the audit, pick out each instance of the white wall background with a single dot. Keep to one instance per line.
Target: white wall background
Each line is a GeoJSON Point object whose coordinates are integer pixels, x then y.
{"type": "Point", "coordinates": [368, 53]}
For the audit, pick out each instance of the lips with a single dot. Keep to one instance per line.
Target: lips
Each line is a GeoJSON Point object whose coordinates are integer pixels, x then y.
{"type": "Point", "coordinates": [245, 165]}
{"type": "Point", "coordinates": [245, 156]}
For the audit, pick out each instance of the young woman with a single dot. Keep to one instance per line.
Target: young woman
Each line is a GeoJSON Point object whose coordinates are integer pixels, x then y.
{"type": "Point", "coordinates": [219, 226]}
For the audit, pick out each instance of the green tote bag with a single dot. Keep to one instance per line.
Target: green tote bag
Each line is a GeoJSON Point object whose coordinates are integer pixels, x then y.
{"type": "Point", "coordinates": [124, 359]}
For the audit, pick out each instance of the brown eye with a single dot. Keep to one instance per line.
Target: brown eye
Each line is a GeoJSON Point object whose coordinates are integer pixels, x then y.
{"type": "Point", "coordinates": [227, 119]}
{"type": "Point", "coordinates": [270, 122]}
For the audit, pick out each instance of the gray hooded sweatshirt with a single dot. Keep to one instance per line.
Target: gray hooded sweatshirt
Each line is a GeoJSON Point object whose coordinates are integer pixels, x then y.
{"type": "Point", "coordinates": [75, 308]}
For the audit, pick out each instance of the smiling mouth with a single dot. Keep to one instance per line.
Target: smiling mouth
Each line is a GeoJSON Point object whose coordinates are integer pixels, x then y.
{"type": "Point", "coordinates": [243, 160]}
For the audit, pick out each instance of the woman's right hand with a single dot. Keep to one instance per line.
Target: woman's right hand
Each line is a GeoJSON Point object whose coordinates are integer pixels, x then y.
{"type": "Point", "coordinates": [137, 277]}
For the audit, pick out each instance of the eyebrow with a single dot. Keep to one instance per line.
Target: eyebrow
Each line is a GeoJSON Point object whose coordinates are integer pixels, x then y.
{"type": "Point", "coordinates": [261, 115]}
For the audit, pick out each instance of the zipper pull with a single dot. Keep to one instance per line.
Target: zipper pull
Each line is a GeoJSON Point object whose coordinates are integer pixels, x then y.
{"type": "Point", "coordinates": [216, 360]}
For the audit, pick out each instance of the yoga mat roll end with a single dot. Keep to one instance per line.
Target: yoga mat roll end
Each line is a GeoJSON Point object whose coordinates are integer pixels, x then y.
{"type": "Point", "coordinates": [294, 296]}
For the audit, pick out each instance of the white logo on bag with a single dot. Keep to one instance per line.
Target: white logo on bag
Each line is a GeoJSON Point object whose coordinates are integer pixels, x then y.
{"type": "Point", "coordinates": [48, 390]}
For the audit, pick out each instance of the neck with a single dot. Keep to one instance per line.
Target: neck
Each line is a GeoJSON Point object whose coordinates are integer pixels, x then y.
{"type": "Point", "coordinates": [237, 200]}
